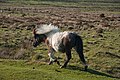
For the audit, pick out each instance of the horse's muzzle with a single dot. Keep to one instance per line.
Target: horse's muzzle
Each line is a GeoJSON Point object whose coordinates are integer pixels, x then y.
{"type": "Point", "coordinates": [34, 45]}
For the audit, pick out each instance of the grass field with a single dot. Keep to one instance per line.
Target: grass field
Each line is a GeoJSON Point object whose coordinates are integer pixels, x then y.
{"type": "Point", "coordinates": [21, 70]}
{"type": "Point", "coordinates": [96, 21]}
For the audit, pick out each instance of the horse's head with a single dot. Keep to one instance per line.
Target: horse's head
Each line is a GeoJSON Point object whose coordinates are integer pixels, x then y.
{"type": "Point", "coordinates": [42, 32]}
{"type": "Point", "coordinates": [38, 38]}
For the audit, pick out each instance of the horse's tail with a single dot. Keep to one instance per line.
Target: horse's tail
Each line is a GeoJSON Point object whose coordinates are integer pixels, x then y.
{"type": "Point", "coordinates": [79, 45]}
{"type": "Point", "coordinates": [79, 49]}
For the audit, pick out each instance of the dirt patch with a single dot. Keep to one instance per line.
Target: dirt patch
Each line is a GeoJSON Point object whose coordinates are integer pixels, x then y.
{"type": "Point", "coordinates": [62, 17]}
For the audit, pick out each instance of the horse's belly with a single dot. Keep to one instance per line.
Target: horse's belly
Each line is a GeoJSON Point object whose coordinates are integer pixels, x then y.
{"type": "Point", "coordinates": [59, 48]}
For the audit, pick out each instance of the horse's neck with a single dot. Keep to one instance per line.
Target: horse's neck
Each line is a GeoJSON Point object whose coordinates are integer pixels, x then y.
{"type": "Point", "coordinates": [50, 37]}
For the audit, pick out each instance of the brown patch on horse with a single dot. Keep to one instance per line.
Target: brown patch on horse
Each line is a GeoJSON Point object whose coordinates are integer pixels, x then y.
{"type": "Point", "coordinates": [66, 42]}
{"type": "Point", "coordinates": [48, 45]}
{"type": "Point", "coordinates": [34, 31]}
{"type": "Point", "coordinates": [67, 45]}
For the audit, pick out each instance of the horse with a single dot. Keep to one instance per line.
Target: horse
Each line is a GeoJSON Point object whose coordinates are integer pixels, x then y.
{"type": "Point", "coordinates": [59, 41]}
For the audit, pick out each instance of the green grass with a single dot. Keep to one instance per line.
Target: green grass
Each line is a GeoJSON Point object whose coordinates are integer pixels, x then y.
{"type": "Point", "coordinates": [95, 52]}
{"type": "Point", "coordinates": [21, 70]}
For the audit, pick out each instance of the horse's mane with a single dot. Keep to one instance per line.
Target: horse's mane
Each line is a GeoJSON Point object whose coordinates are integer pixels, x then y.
{"type": "Point", "coordinates": [46, 29]}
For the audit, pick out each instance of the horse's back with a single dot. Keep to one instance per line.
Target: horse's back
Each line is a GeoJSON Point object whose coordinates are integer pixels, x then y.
{"type": "Point", "coordinates": [58, 39]}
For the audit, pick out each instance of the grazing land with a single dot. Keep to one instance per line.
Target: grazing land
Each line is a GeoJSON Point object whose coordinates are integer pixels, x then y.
{"type": "Point", "coordinates": [96, 21]}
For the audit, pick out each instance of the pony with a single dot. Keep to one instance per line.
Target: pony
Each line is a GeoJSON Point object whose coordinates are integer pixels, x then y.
{"type": "Point", "coordinates": [59, 41]}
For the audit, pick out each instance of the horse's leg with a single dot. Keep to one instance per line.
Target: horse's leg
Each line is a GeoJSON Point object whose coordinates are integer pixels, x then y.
{"type": "Point", "coordinates": [80, 53]}
{"type": "Point", "coordinates": [79, 50]}
{"type": "Point", "coordinates": [67, 47]}
{"type": "Point", "coordinates": [52, 57]}
{"type": "Point", "coordinates": [68, 57]}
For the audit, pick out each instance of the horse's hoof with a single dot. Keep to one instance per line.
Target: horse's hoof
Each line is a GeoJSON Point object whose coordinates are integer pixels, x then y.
{"type": "Point", "coordinates": [50, 63]}
{"type": "Point", "coordinates": [86, 68]}
{"type": "Point", "coordinates": [58, 63]}
{"type": "Point", "coordinates": [62, 66]}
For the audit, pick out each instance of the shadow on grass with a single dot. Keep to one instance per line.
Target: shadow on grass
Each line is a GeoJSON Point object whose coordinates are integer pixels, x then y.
{"type": "Point", "coordinates": [90, 71]}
